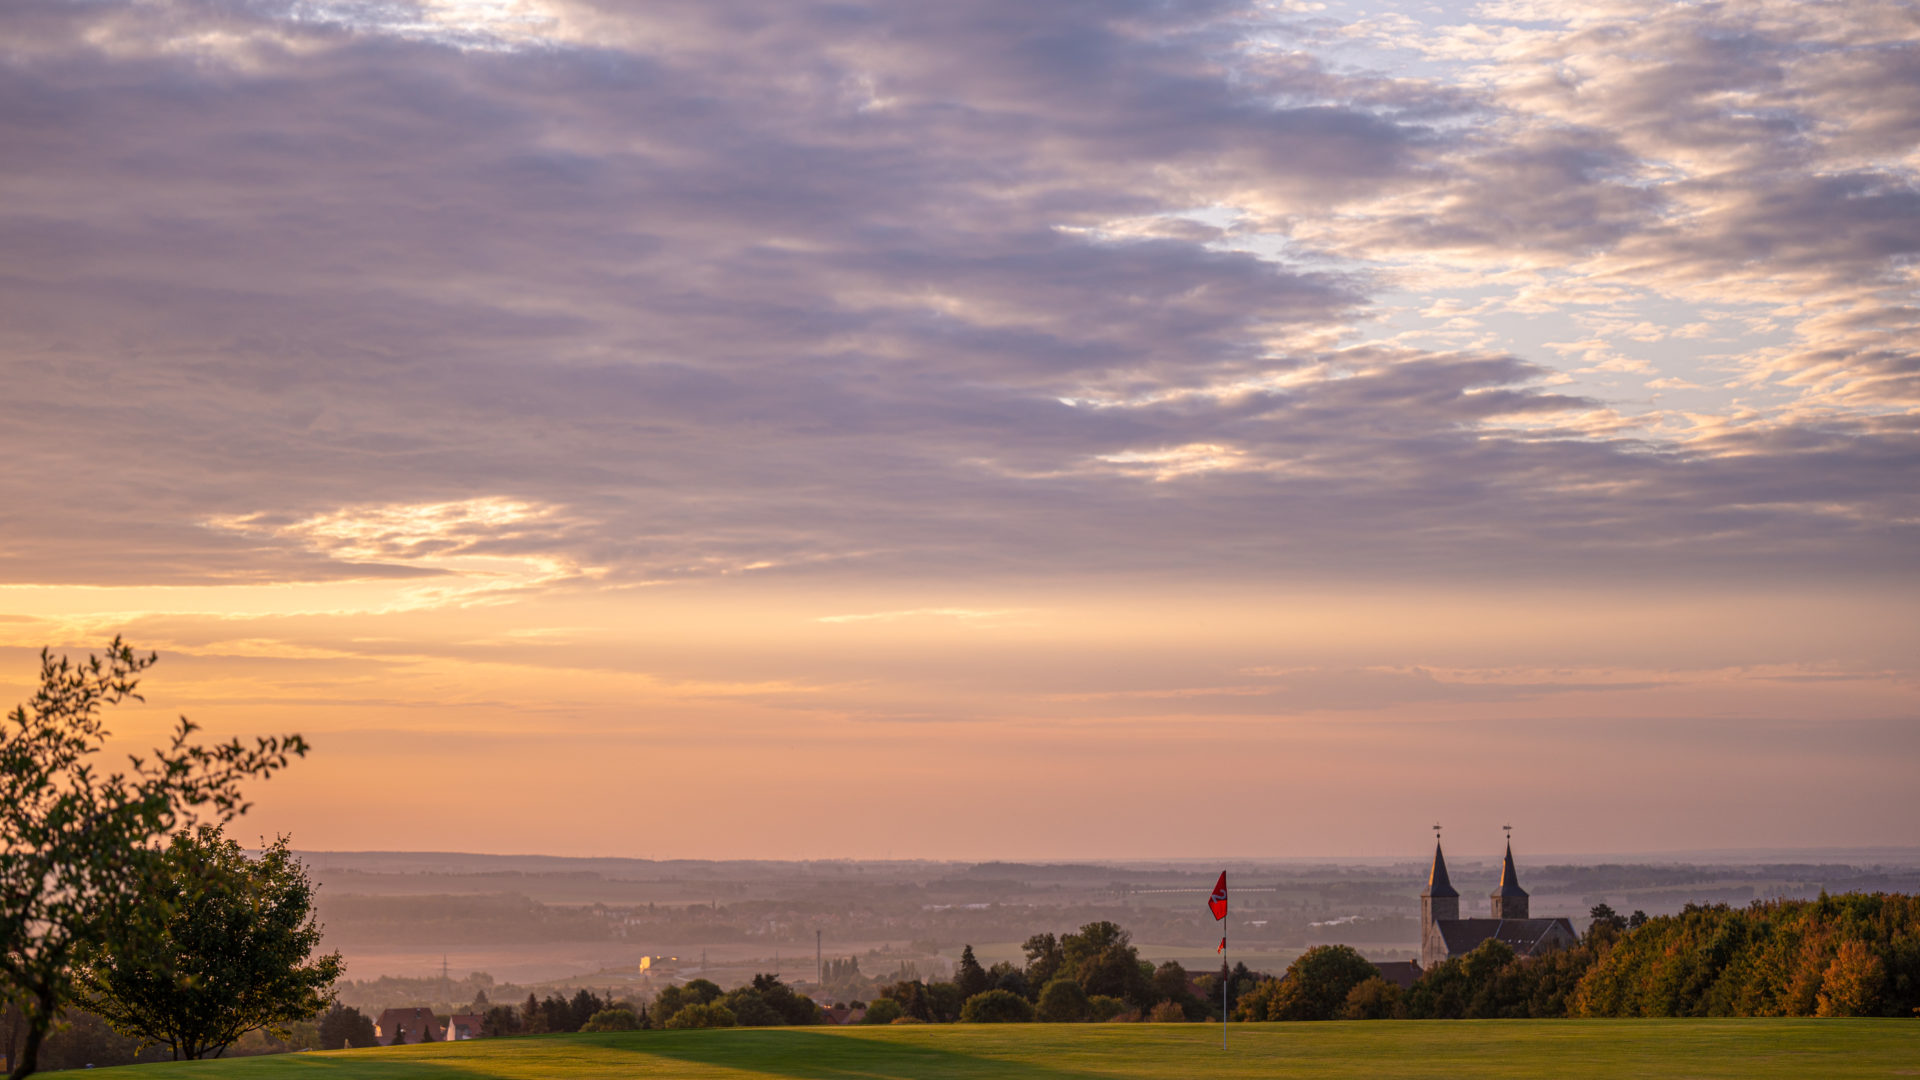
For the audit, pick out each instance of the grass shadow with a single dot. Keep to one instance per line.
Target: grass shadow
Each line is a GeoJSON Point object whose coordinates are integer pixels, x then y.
{"type": "Point", "coordinates": [351, 1064]}
{"type": "Point", "coordinates": [808, 1055]}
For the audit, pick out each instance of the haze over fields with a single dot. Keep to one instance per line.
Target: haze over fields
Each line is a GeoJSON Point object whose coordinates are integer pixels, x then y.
{"type": "Point", "coordinates": [588, 922]}
{"type": "Point", "coordinates": [1105, 429]}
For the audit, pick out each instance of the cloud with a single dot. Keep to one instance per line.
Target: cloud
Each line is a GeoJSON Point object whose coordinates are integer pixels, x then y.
{"type": "Point", "coordinates": [813, 290]}
{"type": "Point", "coordinates": [965, 615]}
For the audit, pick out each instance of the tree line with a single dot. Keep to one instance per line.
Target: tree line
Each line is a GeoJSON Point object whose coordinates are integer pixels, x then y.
{"type": "Point", "coordinates": [1856, 954]}
{"type": "Point", "coordinates": [1092, 974]}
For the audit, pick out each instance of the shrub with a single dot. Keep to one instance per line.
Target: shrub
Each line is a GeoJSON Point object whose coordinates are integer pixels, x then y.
{"type": "Point", "coordinates": [612, 1020]}
{"type": "Point", "coordinates": [1101, 1007]}
{"type": "Point", "coordinates": [1168, 1012]}
{"type": "Point", "coordinates": [1062, 1001]}
{"type": "Point", "coordinates": [883, 1011]}
{"type": "Point", "coordinates": [707, 1015]}
{"type": "Point", "coordinates": [996, 1007]}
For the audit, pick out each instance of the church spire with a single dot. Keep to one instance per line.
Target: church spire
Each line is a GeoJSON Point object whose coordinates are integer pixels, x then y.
{"type": "Point", "coordinates": [1437, 883]}
{"type": "Point", "coordinates": [1438, 905]}
{"type": "Point", "coordinates": [1509, 878]}
{"type": "Point", "coordinates": [1509, 900]}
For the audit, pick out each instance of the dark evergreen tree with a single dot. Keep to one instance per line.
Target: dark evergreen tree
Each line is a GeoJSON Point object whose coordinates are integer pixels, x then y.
{"type": "Point", "coordinates": [342, 1027]}
{"type": "Point", "coordinates": [500, 1021]}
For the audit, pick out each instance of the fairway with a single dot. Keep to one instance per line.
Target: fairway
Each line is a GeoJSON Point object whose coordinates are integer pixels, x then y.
{"type": "Point", "coordinates": [1692, 1049]}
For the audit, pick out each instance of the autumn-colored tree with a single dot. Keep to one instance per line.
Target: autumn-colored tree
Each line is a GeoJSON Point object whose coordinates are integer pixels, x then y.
{"type": "Point", "coordinates": [1374, 999]}
{"type": "Point", "coordinates": [1850, 954]}
{"type": "Point", "coordinates": [1852, 983]}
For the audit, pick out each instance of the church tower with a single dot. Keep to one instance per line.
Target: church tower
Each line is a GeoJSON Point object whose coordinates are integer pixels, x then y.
{"type": "Point", "coordinates": [1509, 900]}
{"type": "Point", "coordinates": [1439, 902]}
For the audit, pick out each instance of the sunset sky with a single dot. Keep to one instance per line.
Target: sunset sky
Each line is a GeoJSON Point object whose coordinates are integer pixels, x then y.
{"type": "Point", "coordinates": [981, 429]}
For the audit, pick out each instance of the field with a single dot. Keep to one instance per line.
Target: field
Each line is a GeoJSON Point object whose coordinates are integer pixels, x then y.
{"type": "Point", "coordinates": [1482, 1050]}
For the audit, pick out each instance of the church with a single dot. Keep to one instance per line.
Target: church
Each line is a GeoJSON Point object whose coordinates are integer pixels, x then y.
{"type": "Point", "coordinates": [1444, 934]}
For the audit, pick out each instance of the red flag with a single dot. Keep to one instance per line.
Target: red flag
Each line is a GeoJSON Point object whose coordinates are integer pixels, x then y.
{"type": "Point", "coordinates": [1223, 946]}
{"type": "Point", "coordinates": [1217, 903]}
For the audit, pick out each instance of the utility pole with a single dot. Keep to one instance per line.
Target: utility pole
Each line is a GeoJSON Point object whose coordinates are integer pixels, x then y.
{"type": "Point", "coordinates": [819, 965]}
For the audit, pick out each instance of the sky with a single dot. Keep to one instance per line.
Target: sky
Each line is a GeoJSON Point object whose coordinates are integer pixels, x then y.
{"type": "Point", "coordinates": [1091, 429]}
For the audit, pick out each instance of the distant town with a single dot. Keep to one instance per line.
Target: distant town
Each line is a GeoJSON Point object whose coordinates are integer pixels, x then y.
{"type": "Point", "coordinates": [440, 930]}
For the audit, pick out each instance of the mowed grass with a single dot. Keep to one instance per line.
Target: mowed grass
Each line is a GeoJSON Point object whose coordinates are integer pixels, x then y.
{"type": "Point", "coordinates": [1476, 1049]}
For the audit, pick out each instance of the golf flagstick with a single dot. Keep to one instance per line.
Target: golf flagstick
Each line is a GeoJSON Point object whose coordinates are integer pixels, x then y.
{"type": "Point", "coordinates": [1217, 903]}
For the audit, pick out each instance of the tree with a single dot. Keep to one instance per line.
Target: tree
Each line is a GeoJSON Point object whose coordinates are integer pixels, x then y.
{"type": "Point", "coordinates": [1851, 984]}
{"type": "Point", "coordinates": [883, 1011]}
{"type": "Point", "coordinates": [1044, 959]}
{"type": "Point", "coordinates": [77, 845]}
{"type": "Point", "coordinates": [969, 976]}
{"type": "Point", "coordinates": [221, 945]}
{"type": "Point", "coordinates": [1011, 979]}
{"type": "Point", "coordinates": [1316, 985]}
{"type": "Point", "coordinates": [612, 1020]}
{"type": "Point", "coordinates": [581, 1009]}
{"type": "Point", "coordinates": [500, 1021]}
{"type": "Point", "coordinates": [1171, 983]}
{"type": "Point", "coordinates": [788, 1006]}
{"type": "Point", "coordinates": [1062, 1001]}
{"type": "Point", "coordinates": [555, 1015]}
{"type": "Point", "coordinates": [1374, 999]}
{"type": "Point", "coordinates": [911, 994]}
{"type": "Point", "coordinates": [1484, 984]}
{"type": "Point", "coordinates": [1607, 924]}
{"type": "Point", "coordinates": [342, 1027]}
{"type": "Point", "coordinates": [1102, 959]}
{"type": "Point", "coordinates": [749, 1009]}
{"type": "Point", "coordinates": [996, 1007]}
{"type": "Point", "coordinates": [399, 1036]}
{"type": "Point", "coordinates": [674, 998]}
{"type": "Point", "coordinates": [943, 1003]}
{"type": "Point", "coordinates": [703, 1015]}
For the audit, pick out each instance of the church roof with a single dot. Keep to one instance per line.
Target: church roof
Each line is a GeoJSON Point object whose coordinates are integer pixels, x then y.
{"type": "Point", "coordinates": [1509, 880]}
{"type": "Point", "coordinates": [1523, 935]}
{"type": "Point", "coordinates": [1437, 883]}
{"type": "Point", "coordinates": [1401, 973]}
